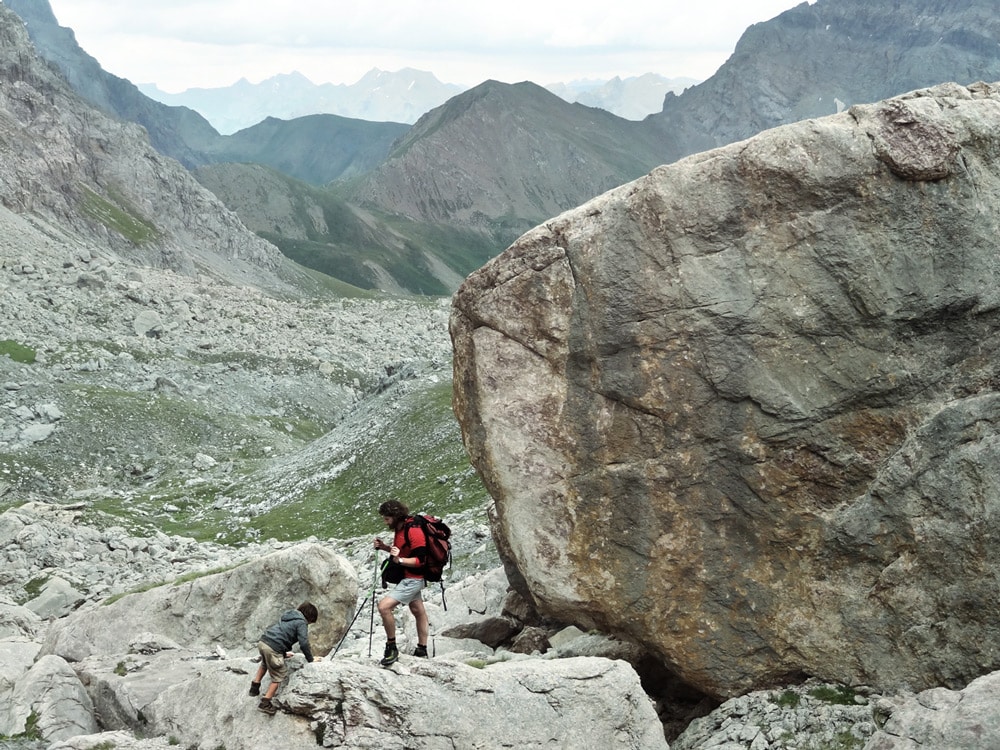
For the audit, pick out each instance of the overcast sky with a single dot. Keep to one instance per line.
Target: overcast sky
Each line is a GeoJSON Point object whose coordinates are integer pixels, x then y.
{"type": "Point", "coordinates": [180, 44]}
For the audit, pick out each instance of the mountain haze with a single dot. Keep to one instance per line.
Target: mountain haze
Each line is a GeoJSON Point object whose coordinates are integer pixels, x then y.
{"type": "Point", "coordinates": [98, 180]}
{"type": "Point", "coordinates": [399, 96]}
{"type": "Point", "coordinates": [378, 96]}
{"type": "Point", "coordinates": [316, 148]}
{"type": "Point", "coordinates": [175, 131]}
{"type": "Point", "coordinates": [633, 98]}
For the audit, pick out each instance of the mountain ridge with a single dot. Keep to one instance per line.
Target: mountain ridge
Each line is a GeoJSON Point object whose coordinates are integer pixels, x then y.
{"type": "Point", "coordinates": [183, 134]}
{"type": "Point", "coordinates": [818, 58]}
{"type": "Point", "coordinates": [527, 155]}
{"type": "Point", "coordinates": [392, 96]}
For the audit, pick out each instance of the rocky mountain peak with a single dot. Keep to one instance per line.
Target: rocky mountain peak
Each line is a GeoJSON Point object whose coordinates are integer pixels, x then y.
{"type": "Point", "coordinates": [819, 58]}
{"type": "Point", "coordinates": [462, 163]}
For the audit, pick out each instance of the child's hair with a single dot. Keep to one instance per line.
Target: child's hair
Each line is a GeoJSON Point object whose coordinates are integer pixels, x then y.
{"type": "Point", "coordinates": [308, 610]}
{"type": "Point", "coordinates": [394, 509]}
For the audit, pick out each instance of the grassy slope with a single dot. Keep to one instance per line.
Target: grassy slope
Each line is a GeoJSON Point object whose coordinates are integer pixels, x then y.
{"type": "Point", "coordinates": [320, 230]}
{"type": "Point", "coordinates": [414, 452]}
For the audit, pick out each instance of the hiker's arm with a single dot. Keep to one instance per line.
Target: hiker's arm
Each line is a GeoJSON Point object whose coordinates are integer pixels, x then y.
{"type": "Point", "coordinates": [414, 561]}
{"type": "Point", "coordinates": [304, 642]}
{"type": "Point", "coordinates": [416, 548]}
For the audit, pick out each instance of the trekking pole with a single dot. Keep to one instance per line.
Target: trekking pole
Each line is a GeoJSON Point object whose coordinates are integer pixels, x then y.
{"type": "Point", "coordinates": [371, 624]}
{"type": "Point", "coordinates": [379, 569]}
{"type": "Point", "coordinates": [354, 619]}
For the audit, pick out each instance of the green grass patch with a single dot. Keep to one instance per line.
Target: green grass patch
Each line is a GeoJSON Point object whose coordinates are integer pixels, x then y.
{"type": "Point", "coordinates": [31, 731]}
{"type": "Point", "coordinates": [118, 214]}
{"type": "Point", "coordinates": [138, 590]}
{"type": "Point", "coordinates": [179, 581]}
{"type": "Point", "coordinates": [33, 588]}
{"type": "Point", "coordinates": [17, 352]}
{"type": "Point", "coordinates": [838, 695]}
{"type": "Point", "coordinates": [418, 458]}
{"type": "Point", "coordinates": [788, 699]}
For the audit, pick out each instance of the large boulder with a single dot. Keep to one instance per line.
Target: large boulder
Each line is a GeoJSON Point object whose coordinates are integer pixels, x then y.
{"type": "Point", "coordinates": [423, 704]}
{"type": "Point", "coordinates": [744, 410]}
{"type": "Point", "coordinates": [155, 693]}
{"type": "Point", "coordinates": [50, 700]}
{"type": "Point", "coordinates": [228, 609]}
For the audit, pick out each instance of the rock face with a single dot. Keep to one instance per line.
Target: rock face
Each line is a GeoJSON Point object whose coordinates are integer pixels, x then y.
{"type": "Point", "coordinates": [100, 178]}
{"type": "Point", "coordinates": [426, 704]}
{"type": "Point", "coordinates": [958, 720]}
{"type": "Point", "coordinates": [51, 691]}
{"type": "Point", "coordinates": [744, 411]}
{"type": "Point", "coordinates": [819, 58]}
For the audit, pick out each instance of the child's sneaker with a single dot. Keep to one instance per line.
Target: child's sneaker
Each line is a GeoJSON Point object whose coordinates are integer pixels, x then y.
{"type": "Point", "coordinates": [420, 651]}
{"type": "Point", "coordinates": [267, 707]}
{"type": "Point", "coordinates": [391, 655]}
{"type": "Point", "coordinates": [254, 688]}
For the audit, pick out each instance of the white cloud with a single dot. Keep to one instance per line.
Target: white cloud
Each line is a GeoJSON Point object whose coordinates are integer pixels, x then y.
{"type": "Point", "coordinates": [185, 43]}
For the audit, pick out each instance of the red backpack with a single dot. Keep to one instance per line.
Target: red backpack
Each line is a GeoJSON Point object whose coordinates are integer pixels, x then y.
{"type": "Point", "coordinates": [437, 534]}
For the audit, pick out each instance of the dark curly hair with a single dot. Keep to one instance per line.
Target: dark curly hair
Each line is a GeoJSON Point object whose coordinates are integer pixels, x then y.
{"type": "Point", "coordinates": [394, 509]}
{"type": "Point", "coordinates": [308, 610]}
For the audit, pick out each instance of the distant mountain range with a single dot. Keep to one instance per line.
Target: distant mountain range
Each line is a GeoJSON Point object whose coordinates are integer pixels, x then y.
{"type": "Point", "coordinates": [400, 96]}
{"type": "Point", "coordinates": [413, 208]}
{"type": "Point", "coordinates": [378, 97]}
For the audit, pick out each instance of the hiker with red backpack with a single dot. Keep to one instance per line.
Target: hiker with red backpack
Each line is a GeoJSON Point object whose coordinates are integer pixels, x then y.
{"type": "Point", "coordinates": [405, 571]}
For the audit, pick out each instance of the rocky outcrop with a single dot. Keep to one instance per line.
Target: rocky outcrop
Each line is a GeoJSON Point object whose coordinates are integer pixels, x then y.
{"type": "Point", "coordinates": [51, 695]}
{"type": "Point", "coordinates": [228, 609]}
{"type": "Point", "coordinates": [152, 686]}
{"type": "Point", "coordinates": [174, 661]}
{"type": "Point", "coordinates": [955, 719]}
{"type": "Point", "coordinates": [419, 704]}
{"type": "Point", "coordinates": [831, 717]}
{"type": "Point", "coordinates": [744, 410]}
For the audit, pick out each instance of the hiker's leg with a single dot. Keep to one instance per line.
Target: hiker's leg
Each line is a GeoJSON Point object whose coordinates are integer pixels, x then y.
{"type": "Point", "coordinates": [385, 606]}
{"type": "Point", "coordinates": [272, 689]}
{"type": "Point", "coordinates": [274, 662]}
{"type": "Point", "coordinates": [420, 617]}
{"type": "Point", "coordinates": [255, 682]}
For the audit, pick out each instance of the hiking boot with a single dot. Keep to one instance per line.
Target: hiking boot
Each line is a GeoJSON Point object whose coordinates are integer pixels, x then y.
{"type": "Point", "coordinates": [391, 655]}
{"type": "Point", "coordinates": [254, 688]}
{"type": "Point", "coordinates": [420, 651]}
{"type": "Point", "coordinates": [267, 707]}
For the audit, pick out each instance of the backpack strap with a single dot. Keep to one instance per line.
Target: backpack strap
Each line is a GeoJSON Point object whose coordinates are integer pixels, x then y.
{"type": "Point", "coordinates": [408, 524]}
